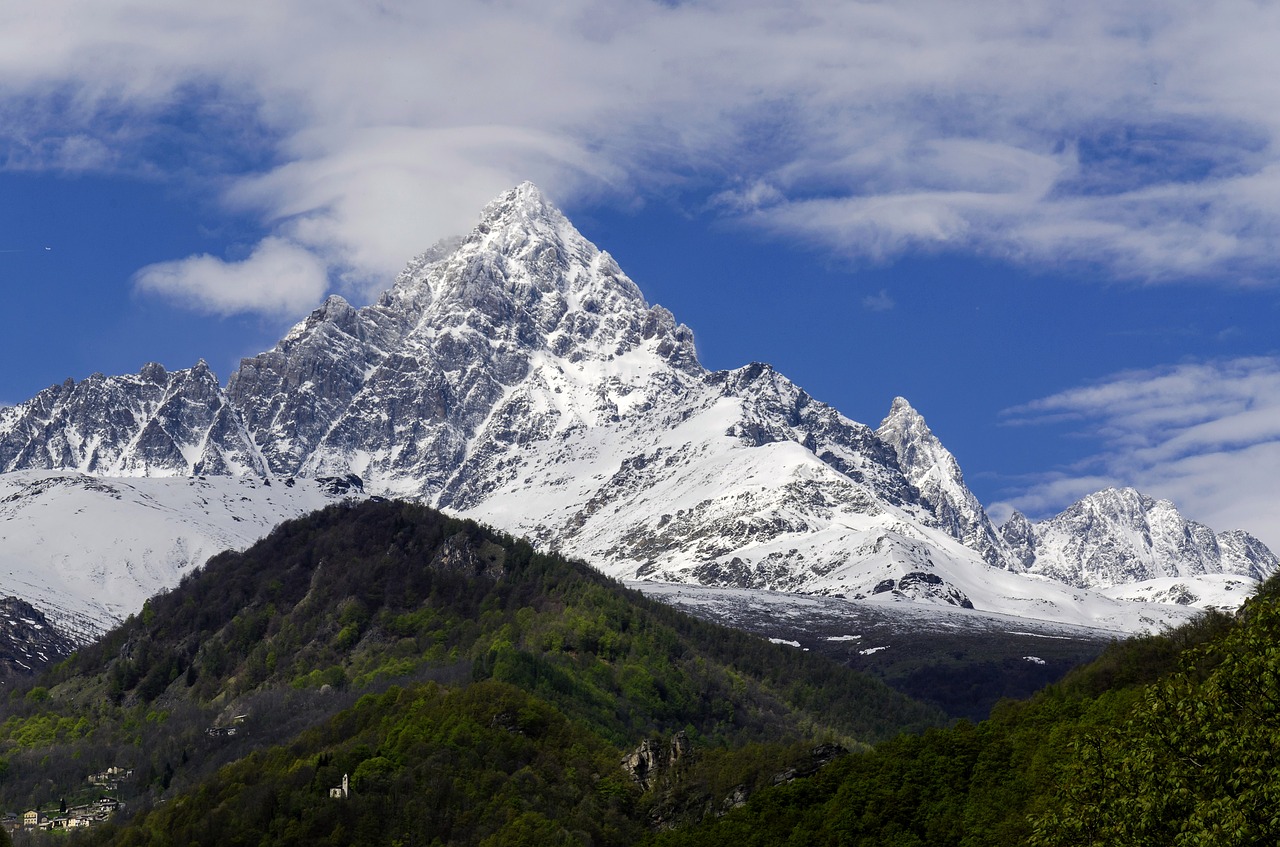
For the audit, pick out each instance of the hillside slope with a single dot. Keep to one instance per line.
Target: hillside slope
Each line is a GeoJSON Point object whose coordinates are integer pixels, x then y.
{"type": "Point", "coordinates": [416, 610]}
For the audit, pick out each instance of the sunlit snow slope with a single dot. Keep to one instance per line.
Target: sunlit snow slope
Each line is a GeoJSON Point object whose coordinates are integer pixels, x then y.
{"type": "Point", "coordinates": [90, 550]}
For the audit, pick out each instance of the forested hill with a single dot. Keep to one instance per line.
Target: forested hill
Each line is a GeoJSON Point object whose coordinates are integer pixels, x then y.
{"type": "Point", "coordinates": [1165, 740]}
{"type": "Point", "coordinates": [375, 591]}
{"type": "Point", "coordinates": [467, 684]}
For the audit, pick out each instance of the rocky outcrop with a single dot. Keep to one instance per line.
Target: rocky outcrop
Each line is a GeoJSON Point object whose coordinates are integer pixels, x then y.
{"type": "Point", "coordinates": [936, 475]}
{"type": "Point", "coordinates": [659, 768]}
{"type": "Point", "coordinates": [654, 761]}
{"type": "Point", "coordinates": [923, 586]}
{"type": "Point", "coordinates": [460, 555]}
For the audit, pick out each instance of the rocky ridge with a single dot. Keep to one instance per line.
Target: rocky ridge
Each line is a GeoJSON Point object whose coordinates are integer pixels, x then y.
{"type": "Point", "coordinates": [154, 423]}
{"type": "Point", "coordinates": [936, 474]}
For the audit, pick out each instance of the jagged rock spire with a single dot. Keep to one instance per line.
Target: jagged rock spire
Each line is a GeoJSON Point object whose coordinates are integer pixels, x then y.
{"type": "Point", "coordinates": [932, 469]}
{"type": "Point", "coordinates": [397, 390]}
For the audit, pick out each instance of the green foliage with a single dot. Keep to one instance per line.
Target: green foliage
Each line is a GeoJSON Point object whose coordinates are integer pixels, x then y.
{"type": "Point", "coordinates": [383, 590]}
{"type": "Point", "coordinates": [1198, 760]}
{"type": "Point", "coordinates": [525, 678]}
{"type": "Point", "coordinates": [487, 764]}
{"type": "Point", "coordinates": [43, 729]}
{"type": "Point", "coordinates": [1171, 739]}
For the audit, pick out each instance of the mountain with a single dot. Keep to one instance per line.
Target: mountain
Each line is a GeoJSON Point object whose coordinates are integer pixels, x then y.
{"type": "Point", "coordinates": [518, 377]}
{"type": "Point", "coordinates": [89, 550]}
{"type": "Point", "coordinates": [28, 642]}
{"type": "Point", "coordinates": [935, 473]}
{"type": "Point", "coordinates": [1130, 545]}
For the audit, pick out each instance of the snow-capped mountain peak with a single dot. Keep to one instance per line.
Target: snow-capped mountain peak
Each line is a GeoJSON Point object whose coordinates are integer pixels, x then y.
{"type": "Point", "coordinates": [526, 278]}
{"type": "Point", "coordinates": [517, 376]}
{"type": "Point", "coordinates": [936, 474]}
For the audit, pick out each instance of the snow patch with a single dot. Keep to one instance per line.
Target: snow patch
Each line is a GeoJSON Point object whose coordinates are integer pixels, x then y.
{"type": "Point", "coordinates": [74, 546]}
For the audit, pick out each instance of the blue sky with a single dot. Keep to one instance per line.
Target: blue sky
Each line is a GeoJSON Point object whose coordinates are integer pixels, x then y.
{"type": "Point", "coordinates": [1052, 228]}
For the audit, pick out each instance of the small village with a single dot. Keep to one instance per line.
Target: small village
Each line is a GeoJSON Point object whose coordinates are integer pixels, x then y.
{"type": "Point", "coordinates": [77, 816]}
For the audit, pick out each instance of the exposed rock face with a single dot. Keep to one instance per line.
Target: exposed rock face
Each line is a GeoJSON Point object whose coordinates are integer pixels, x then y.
{"type": "Point", "coordinates": [923, 586]}
{"type": "Point", "coordinates": [290, 396]}
{"type": "Point", "coordinates": [155, 423]}
{"type": "Point", "coordinates": [28, 642]}
{"type": "Point", "coordinates": [641, 764]}
{"type": "Point", "coordinates": [424, 391]}
{"type": "Point", "coordinates": [819, 757]}
{"type": "Point", "coordinates": [1120, 536]}
{"type": "Point", "coordinates": [652, 761]}
{"type": "Point", "coordinates": [1245, 555]}
{"type": "Point", "coordinates": [459, 555]}
{"type": "Point", "coordinates": [658, 767]}
{"type": "Point", "coordinates": [1020, 535]}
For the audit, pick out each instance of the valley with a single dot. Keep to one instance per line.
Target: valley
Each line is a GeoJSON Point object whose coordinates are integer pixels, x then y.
{"type": "Point", "coordinates": [959, 660]}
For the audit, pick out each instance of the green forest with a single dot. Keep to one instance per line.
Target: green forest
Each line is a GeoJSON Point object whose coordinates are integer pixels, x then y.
{"type": "Point", "coordinates": [474, 691]}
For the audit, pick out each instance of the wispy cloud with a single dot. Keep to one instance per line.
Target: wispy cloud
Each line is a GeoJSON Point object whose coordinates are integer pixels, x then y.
{"type": "Point", "coordinates": [878, 302]}
{"type": "Point", "coordinates": [1205, 435]}
{"type": "Point", "coordinates": [1137, 138]}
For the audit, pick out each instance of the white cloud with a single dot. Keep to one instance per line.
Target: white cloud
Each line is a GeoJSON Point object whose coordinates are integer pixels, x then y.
{"type": "Point", "coordinates": [1139, 137]}
{"type": "Point", "coordinates": [278, 278]}
{"type": "Point", "coordinates": [374, 201]}
{"type": "Point", "coordinates": [1205, 435]}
